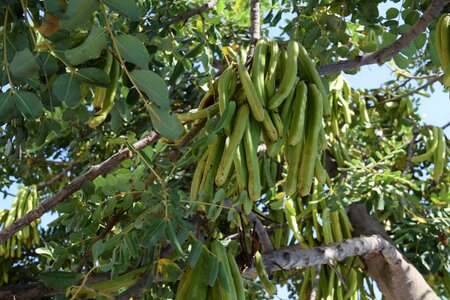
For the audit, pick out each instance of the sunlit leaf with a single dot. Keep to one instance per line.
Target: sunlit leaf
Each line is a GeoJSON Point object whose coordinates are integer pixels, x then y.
{"type": "Point", "coordinates": [166, 124]}
{"type": "Point", "coordinates": [153, 86]}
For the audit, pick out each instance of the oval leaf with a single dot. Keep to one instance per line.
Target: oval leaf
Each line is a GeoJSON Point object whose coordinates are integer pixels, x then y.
{"type": "Point", "coordinates": [97, 249]}
{"type": "Point", "coordinates": [93, 76]}
{"type": "Point", "coordinates": [67, 89]}
{"type": "Point", "coordinates": [166, 124]}
{"type": "Point", "coordinates": [133, 50]}
{"type": "Point", "coordinates": [125, 7]}
{"type": "Point", "coordinates": [153, 86]}
{"type": "Point", "coordinates": [23, 64]}
{"type": "Point", "coordinates": [29, 104]}
{"type": "Point", "coordinates": [91, 47]}
{"type": "Point", "coordinates": [60, 280]}
{"type": "Point", "coordinates": [6, 106]}
{"type": "Point", "coordinates": [78, 12]}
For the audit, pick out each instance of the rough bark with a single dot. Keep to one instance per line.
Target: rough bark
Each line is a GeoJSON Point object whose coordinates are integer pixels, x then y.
{"type": "Point", "coordinates": [399, 281]}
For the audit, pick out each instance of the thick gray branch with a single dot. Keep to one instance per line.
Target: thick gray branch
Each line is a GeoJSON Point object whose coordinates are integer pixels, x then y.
{"type": "Point", "coordinates": [74, 186]}
{"type": "Point", "coordinates": [293, 257]}
{"type": "Point", "coordinates": [393, 49]}
{"type": "Point", "coordinates": [396, 278]}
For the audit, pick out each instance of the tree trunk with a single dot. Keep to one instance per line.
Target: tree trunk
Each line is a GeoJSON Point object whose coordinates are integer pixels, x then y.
{"type": "Point", "coordinates": [396, 281]}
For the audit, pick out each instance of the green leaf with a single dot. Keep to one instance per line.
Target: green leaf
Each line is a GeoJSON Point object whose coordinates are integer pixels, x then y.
{"type": "Point", "coordinates": [67, 89]}
{"type": "Point", "coordinates": [169, 270]}
{"type": "Point", "coordinates": [78, 12]}
{"type": "Point", "coordinates": [173, 238]}
{"type": "Point", "coordinates": [45, 252]}
{"type": "Point", "coordinates": [91, 47]}
{"type": "Point", "coordinates": [60, 280]}
{"type": "Point", "coordinates": [154, 231]}
{"type": "Point", "coordinates": [24, 64]}
{"type": "Point", "coordinates": [153, 86]}
{"type": "Point", "coordinates": [48, 63]}
{"type": "Point", "coordinates": [97, 249]}
{"type": "Point", "coordinates": [166, 124]}
{"type": "Point", "coordinates": [133, 50]}
{"type": "Point", "coordinates": [93, 76]}
{"type": "Point", "coordinates": [401, 61]}
{"type": "Point", "coordinates": [6, 106]}
{"type": "Point", "coordinates": [29, 104]}
{"type": "Point", "coordinates": [392, 13]}
{"type": "Point", "coordinates": [125, 7]}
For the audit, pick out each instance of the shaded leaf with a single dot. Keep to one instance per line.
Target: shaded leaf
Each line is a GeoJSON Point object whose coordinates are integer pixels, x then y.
{"type": "Point", "coordinates": [78, 12]}
{"type": "Point", "coordinates": [89, 49]}
{"type": "Point", "coordinates": [169, 270]}
{"type": "Point", "coordinates": [153, 86]}
{"type": "Point", "coordinates": [125, 7]}
{"type": "Point", "coordinates": [93, 76]}
{"type": "Point", "coordinates": [154, 231]}
{"type": "Point", "coordinates": [6, 106]}
{"type": "Point", "coordinates": [48, 63]}
{"type": "Point", "coordinates": [67, 89]}
{"type": "Point", "coordinates": [23, 64]}
{"type": "Point", "coordinates": [60, 280]}
{"type": "Point", "coordinates": [97, 249]}
{"type": "Point", "coordinates": [133, 50]}
{"type": "Point", "coordinates": [29, 104]}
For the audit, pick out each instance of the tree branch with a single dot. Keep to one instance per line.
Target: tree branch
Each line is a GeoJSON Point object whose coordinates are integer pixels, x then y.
{"type": "Point", "coordinates": [418, 89]}
{"type": "Point", "coordinates": [91, 174]}
{"type": "Point", "coordinates": [261, 231]}
{"type": "Point", "coordinates": [111, 222]}
{"type": "Point", "coordinates": [189, 14]}
{"type": "Point", "coordinates": [255, 26]}
{"type": "Point", "coordinates": [393, 49]}
{"type": "Point", "coordinates": [293, 257]}
{"type": "Point", "coordinates": [32, 290]}
{"type": "Point", "coordinates": [395, 276]}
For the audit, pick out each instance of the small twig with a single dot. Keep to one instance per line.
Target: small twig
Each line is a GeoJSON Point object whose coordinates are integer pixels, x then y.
{"type": "Point", "coordinates": [255, 26]}
{"type": "Point", "coordinates": [111, 223]}
{"type": "Point", "coordinates": [418, 89]}
{"type": "Point", "coordinates": [189, 14]}
{"type": "Point", "coordinates": [339, 275]}
{"type": "Point", "coordinates": [60, 175]}
{"type": "Point", "coordinates": [7, 194]}
{"type": "Point", "coordinates": [393, 49]}
{"type": "Point", "coordinates": [409, 154]}
{"type": "Point", "coordinates": [261, 231]}
{"type": "Point", "coordinates": [446, 125]}
{"type": "Point", "coordinates": [404, 83]}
